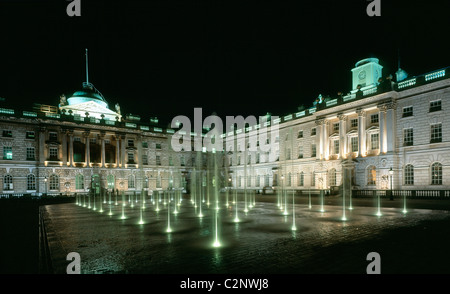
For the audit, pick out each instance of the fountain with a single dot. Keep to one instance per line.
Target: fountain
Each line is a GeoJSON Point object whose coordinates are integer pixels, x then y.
{"type": "Point", "coordinates": [123, 205]}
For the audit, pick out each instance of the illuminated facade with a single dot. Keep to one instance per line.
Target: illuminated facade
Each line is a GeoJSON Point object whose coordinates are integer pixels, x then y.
{"type": "Point", "coordinates": [389, 135]}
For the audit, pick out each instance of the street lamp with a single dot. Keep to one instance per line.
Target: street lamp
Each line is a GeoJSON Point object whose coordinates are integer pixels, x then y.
{"type": "Point", "coordinates": [391, 173]}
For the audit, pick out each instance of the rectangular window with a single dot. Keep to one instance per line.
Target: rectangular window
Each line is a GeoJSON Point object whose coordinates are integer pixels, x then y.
{"type": "Point", "coordinates": [407, 111]}
{"type": "Point", "coordinates": [300, 134]}
{"type": "Point", "coordinates": [336, 127]}
{"type": "Point", "coordinates": [288, 154]}
{"type": "Point", "coordinates": [258, 157]}
{"type": "Point", "coordinates": [52, 136]}
{"type": "Point", "coordinates": [313, 131]}
{"type": "Point", "coordinates": [30, 154]}
{"type": "Point", "coordinates": [158, 145]}
{"type": "Point", "coordinates": [53, 151]}
{"type": "Point", "coordinates": [374, 118]}
{"type": "Point", "coordinates": [336, 147]}
{"type": "Point", "coordinates": [92, 140]}
{"type": "Point", "coordinates": [313, 150]}
{"type": "Point", "coordinates": [31, 182]}
{"type": "Point", "coordinates": [408, 137]}
{"type": "Point", "coordinates": [258, 181]}
{"type": "Point", "coordinates": [239, 160]}
{"type": "Point", "coordinates": [182, 161]}
{"type": "Point", "coordinates": [249, 160]}
{"type": "Point", "coordinates": [76, 139]}
{"type": "Point", "coordinates": [130, 143]}
{"type": "Point", "coordinates": [144, 145]}
{"type": "Point", "coordinates": [7, 153]}
{"type": "Point", "coordinates": [354, 144]}
{"type": "Point", "coordinates": [144, 159]}
{"type": "Point", "coordinates": [300, 151]}
{"type": "Point", "coordinates": [158, 160]}
{"type": "Point", "coordinates": [435, 105]}
{"type": "Point", "coordinates": [107, 141]}
{"type": "Point", "coordinates": [30, 135]}
{"type": "Point", "coordinates": [301, 179]}
{"type": "Point", "coordinates": [436, 133]}
{"type": "Point", "coordinates": [374, 141]}
{"type": "Point", "coordinates": [130, 157]}
{"type": "Point", "coordinates": [354, 123]}
{"type": "Point", "coordinates": [7, 133]}
{"type": "Point", "coordinates": [170, 161]}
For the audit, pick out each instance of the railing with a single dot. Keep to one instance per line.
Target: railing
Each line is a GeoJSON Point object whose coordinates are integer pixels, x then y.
{"type": "Point", "coordinates": [418, 194]}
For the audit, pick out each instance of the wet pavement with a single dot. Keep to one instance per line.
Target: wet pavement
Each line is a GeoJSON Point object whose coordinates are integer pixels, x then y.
{"type": "Point", "coordinates": [262, 242]}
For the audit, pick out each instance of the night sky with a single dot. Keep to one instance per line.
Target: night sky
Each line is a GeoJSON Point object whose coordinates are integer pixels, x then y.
{"type": "Point", "coordinates": [163, 58]}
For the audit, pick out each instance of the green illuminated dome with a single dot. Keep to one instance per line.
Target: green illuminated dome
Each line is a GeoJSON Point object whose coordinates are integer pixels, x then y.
{"type": "Point", "coordinates": [88, 93]}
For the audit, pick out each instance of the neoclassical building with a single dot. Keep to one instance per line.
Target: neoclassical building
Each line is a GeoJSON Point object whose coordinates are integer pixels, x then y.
{"type": "Point", "coordinates": [387, 135]}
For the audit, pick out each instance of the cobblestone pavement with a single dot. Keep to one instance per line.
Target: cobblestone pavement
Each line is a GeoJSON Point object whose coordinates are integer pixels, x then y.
{"type": "Point", "coordinates": [262, 242]}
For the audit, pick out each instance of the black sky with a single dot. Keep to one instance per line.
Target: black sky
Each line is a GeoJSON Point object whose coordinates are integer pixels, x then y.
{"type": "Point", "coordinates": [163, 58]}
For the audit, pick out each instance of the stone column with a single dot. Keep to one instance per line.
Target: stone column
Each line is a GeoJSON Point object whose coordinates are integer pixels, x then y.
{"type": "Point", "coordinates": [117, 138]}
{"type": "Point", "coordinates": [390, 126]}
{"type": "Point", "coordinates": [382, 124]}
{"type": "Point", "coordinates": [319, 139]}
{"type": "Point", "coordinates": [102, 142]}
{"type": "Point", "coordinates": [342, 139]}
{"type": "Point", "coordinates": [122, 150]}
{"type": "Point", "coordinates": [87, 150]}
{"type": "Point", "coordinates": [326, 146]}
{"type": "Point", "coordinates": [361, 132]}
{"type": "Point", "coordinates": [42, 151]}
{"type": "Point", "coordinates": [70, 132]}
{"type": "Point", "coordinates": [64, 147]}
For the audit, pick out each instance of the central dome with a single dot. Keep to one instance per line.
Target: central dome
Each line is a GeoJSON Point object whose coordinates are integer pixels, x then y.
{"type": "Point", "coordinates": [88, 93]}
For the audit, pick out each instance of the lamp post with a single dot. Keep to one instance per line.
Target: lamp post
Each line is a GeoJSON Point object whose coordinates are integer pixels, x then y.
{"type": "Point", "coordinates": [391, 173]}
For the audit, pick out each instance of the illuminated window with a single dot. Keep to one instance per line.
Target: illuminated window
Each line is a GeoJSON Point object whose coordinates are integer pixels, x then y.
{"type": "Point", "coordinates": [374, 141]}
{"type": "Point", "coordinates": [54, 182]}
{"type": "Point", "coordinates": [30, 135]}
{"type": "Point", "coordinates": [371, 175]}
{"type": "Point", "coordinates": [409, 174]}
{"type": "Point", "coordinates": [354, 144]}
{"type": "Point", "coordinates": [7, 153]}
{"type": "Point", "coordinates": [374, 118]}
{"type": "Point", "coordinates": [436, 174]}
{"type": "Point", "coordinates": [332, 177]}
{"type": "Point", "coordinates": [111, 181]}
{"type": "Point", "coordinates": [335, 146]}
{"type": "Point", "coordinates": [79, 182]}
{"type": "Point", "coordinates": [436, 133]}
{"type": "Point", "coordinates": [8, 182]}
{"type": "Point", "coordinates": [31, 182]}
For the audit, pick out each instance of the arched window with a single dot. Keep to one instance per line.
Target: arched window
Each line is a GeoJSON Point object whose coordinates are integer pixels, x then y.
{"type": "Point", "coordinates": [54, 182]}
{"type": "Point", "coordinates": [8, 182]}
{"type": "Point", "coordinates": [332, 177]}
{"type": "Point", "coordinates": [371, 175]}
{"type": "Point", "coordinates": [131, 184]}
{"type": "Point", "coordinates": [409, 174]}
{"type": "Point", "coordinates": [111, 181]}
{"type": "Point", "coordinates": [436, 173]}
{"type": "Point", "coordinates": [79, 182]}
{"type": "Point", "coordinates": [31, 182]}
